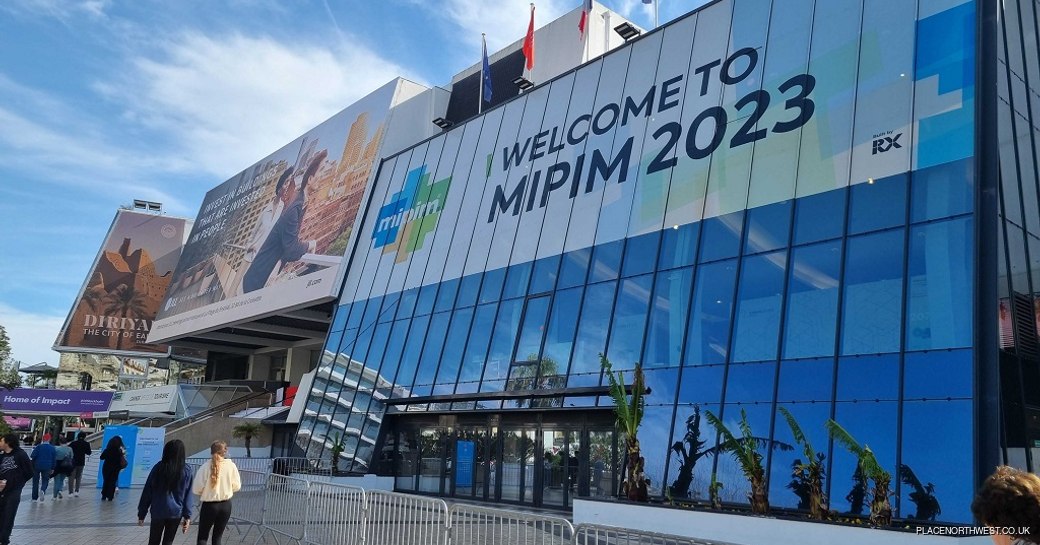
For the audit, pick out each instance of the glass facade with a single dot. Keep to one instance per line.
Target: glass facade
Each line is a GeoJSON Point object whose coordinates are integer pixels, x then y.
{"type": "Point", "coordinates": [766, 204]}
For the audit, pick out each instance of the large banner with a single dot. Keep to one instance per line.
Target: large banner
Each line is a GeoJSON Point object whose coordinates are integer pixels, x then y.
{"type": "Point", "coordinates": [53, 402]}
{"type": "Point", "coordinates": [147, 452]}
{"type": "Point", "coordinates": [273, 237]}
{"type": "Point", "coordinates": [128, 434]}
{"type": "Point", "coordinates": [121, 296]}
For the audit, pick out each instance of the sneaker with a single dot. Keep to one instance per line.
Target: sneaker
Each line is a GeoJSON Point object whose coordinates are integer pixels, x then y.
{"type": "Point", "coordinates": [75, 494]}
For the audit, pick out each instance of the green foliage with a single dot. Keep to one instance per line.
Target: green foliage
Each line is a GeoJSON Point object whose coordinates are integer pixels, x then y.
{"type": "Point", "coordinates": [713, 492]}
{"type": "Point", "coordinates": [247, 431]}
{"type": "Point", "coordinates": [337, 448]}
{"type": "Point", "coordinates": [9, 377]}
{"type": "Point", "coordinates": [867, 464]}
{"type": "Point", "coordinates": [808, 475]}
{"type": "Point", "coordinates": [744, 450]}
{"type": "Point", "coordinates": [628, 412]}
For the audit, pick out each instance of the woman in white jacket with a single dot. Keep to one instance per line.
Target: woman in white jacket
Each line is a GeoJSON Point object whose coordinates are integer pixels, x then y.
{"type": "Point", "coordinates": [215, 482]}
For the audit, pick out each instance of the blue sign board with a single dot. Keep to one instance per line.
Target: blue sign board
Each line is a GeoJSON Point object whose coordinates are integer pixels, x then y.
{"type": "Point", "coordinates": [129, 436]}
{"type": "Point", "coordinates": [464, 463]}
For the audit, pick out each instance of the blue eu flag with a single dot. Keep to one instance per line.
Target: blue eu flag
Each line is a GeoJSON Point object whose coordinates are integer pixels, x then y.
{"type": "Point", "coordinates": [485, 75]}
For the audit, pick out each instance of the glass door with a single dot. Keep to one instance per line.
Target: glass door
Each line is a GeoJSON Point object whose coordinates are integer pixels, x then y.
{"type": "Point", "coordinates": [433, 466]}
{"type": "Point", "coordinates": [516, 470]}
{"type": "Point", "coordinates": [470, 463]}
{"type": "Point", "coordinates": [603, 463]}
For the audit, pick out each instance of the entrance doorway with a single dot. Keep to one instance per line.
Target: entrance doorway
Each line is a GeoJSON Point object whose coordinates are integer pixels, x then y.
{"type": "Point", "coordinates": [542, 460]}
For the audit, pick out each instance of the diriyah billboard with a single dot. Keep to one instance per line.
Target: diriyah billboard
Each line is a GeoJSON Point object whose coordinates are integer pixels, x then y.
{"type": "Point", "coordinates": [114, 311]}
{"type": "Point", "coordinates": [273, 236]}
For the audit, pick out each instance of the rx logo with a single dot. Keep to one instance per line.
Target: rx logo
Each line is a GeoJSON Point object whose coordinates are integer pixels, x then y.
{"type": "Point", "coordinates": [886, 143]}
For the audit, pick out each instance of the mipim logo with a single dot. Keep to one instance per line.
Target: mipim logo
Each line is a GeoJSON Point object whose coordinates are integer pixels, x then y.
{"type": "Point", "coordinates": [410, 214]}
{"type": "Point", "coordinates": [884, 142]}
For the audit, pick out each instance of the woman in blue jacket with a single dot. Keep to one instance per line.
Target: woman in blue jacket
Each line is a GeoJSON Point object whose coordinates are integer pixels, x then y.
{"type": "Point", "coordinates": [167, 493]}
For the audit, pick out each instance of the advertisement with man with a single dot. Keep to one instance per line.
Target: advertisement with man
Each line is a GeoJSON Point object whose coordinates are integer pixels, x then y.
{"type": "Point", "coordinates": [121, 296]}
{"type": "Point", "coordinates": [273, 236]}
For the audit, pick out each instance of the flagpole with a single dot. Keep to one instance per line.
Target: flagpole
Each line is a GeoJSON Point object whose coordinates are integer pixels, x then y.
{"type": "Point", "coordinates": [480, 87]}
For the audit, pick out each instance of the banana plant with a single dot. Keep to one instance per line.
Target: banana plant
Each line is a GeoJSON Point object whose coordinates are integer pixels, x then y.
{"type": "Point", "coordinates": [808, 475]}
{"type": "Point", "coordinates": [628, 412]}
{"type": "Point", "coordinates": [744, 450]}
{"type": "Point", "coordinates": [867, 464]}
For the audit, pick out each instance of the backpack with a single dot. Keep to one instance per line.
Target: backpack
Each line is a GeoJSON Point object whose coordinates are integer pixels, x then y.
{"type": "Point", "coordinates": [64, 465]}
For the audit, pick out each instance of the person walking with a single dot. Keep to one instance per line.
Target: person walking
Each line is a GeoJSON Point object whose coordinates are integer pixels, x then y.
{"type": "Point", "coordinates": [215, 482]}
{"type": "Point", "coordinates": [1008, 502]}
{"type": "Point", "coordinates": [113, 460]}
{"type": "Point", "coordinates": [167, 494]}
{"type": "Point", "coordinates": [80, 450]}
{"type": "Point", "coordinates": [15, 469]}
{"type": "Point", "coordinates": [62, 466]}
{"type": "Point", "coordinates": [43, 466]}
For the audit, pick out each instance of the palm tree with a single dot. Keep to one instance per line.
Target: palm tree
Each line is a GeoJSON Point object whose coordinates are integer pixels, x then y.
{"type": "Point", "coordinates": [867, 464]}
{"type": "Point", "coordinates": [338, 446]}
{"type": "Point", "coordinates": [629, 414]}
{"type": "Point", "coordinates": [808, 475]}
{"type": "Point", "coordinates": [247, 431]}
{"type": "Point", "coordinates": [689, 454]}
{"type": "Point", "coordinates": [125, 301]}
{"type": "Point", "coordinates": [745, 450]}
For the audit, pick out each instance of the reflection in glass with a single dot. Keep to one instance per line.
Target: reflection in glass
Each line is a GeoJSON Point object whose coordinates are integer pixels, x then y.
{"type": "Point", "coordinates": [491, 289]}
{"type": "Point", "coordinates": [641, 254]}
{"type": "Point", "coordinates": [708, 340]}
{"type": "Point", "coordinates": [626, 335]}
{"type": "Point", "coordinates": [812, 301]}
{"type": "Point", "coordinates": [806, 380]}
{"type": "Point", "coordinates": [454, 346]}
{"type": "Point", "coordinates": [758, 307]}
{"type": "Point", "coordinates": [873, 294]}
{"type": "Point", "coordinates": [878, 205]}
{"type": "Point", "coordinates": [942, 191]}
{"type": "Point", "coordinates": [543, 277]}
{"type": "Point", "coordinates": [693, 451]}
{"type": "Point", "coordinates": [517, 279]}
{"type": "Point", "coordinates": [863, 378]}
{"type": "Point", "coordinates": [935, 483]}
{"type": "Point", "coordinates": [920, 370]}
{"type": "Point", "coordinates": [502, 340]}
{"type": "Point", "coordinates": [679, 246]}
{"type": "Point", "coordinates": [768, 228]}
{"type": "Point", "coordinates": [720, 236]}
{"type": "Point", "coordinates": [668, 312]}
{"type": "Point", "coordinates": [574, 267]}
{"type": "Point", "coordinates": [820, 217]}
{"type": "Point", "coordinates": [872, 424]}
{"type": "Point", "coordinates": [939, 302]}
{"type": "Point", "coordinates": [476, 348]}
{"type": "Point", "coordinates": [592, 334]}
{"type": "Point", "coordinates": [606, 261]}
{"type": "Point", "coordinates": [783, 491]}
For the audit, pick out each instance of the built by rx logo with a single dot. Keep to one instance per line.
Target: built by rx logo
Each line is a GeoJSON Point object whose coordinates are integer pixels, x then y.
{"type": "Point", "coordinates": [885, 142]}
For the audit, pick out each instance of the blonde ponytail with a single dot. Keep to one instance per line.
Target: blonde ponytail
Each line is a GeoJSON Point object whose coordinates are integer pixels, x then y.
{"type": "Point", "coordinates": [218, 450]}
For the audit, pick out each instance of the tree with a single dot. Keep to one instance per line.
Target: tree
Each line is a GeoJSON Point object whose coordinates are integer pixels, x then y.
{"type": "Point", "coordinates": [689, 454]}
{"type": "Point", "coordinates": [338, 446]}
{"type": "Point", "coordinates": [247, 431]}
{"type": "Point", "coordinates": [869, 468]}
{"type": "Point", "coordinates": [808, 475]}
{"type": "Point", "coordinates": [745, 451]}
{"type": "Point", "coordinates": [535, 374]}
{"type": "Point", "coordinates": [9, 377]}
{"type": "Point", "coordinates": [629, 414]}
{"type": "Point", "coordinates": [923, 495]}
{"type": "Point", "coordinates": [125, 301]}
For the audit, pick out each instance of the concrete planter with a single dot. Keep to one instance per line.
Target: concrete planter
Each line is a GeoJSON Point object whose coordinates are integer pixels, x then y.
{"type": "Point", "coordinates": [747, 529]}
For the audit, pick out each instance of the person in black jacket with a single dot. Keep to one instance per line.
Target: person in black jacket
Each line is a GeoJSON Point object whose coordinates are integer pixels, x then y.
{"type": "Point", "coordinates": [15, 469]}
{"type": "Point", "coordinates": [167, 494]}
{"type": "Point", "coordinates": [80, 450]}
{"type": "Point", "coordinates": [113, 458]}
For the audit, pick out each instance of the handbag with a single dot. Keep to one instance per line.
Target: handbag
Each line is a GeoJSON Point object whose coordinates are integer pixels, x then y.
{"type": "Point", "coordinates": [64, 465]}
{"type": "Point", "coordinates": [122, 462]}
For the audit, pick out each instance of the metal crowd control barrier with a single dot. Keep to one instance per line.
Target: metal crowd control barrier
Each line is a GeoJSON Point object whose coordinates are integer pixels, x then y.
{"type": "Point", "coordinates": [335, 514]}
{"type": "Point", "coordinates": [285, 508]}
{"type": "Point", "coordinates": [402, 519]}
{"type": "Point", "coordinates": [248, 503]}
{"type": "Point", "coordinates": [596, 534]}
{"type": "Point", "coordinates": [473, 525]}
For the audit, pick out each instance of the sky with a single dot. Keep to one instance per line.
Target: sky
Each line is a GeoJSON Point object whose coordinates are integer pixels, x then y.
{"type": "Point", "coordinates": [106, 101]}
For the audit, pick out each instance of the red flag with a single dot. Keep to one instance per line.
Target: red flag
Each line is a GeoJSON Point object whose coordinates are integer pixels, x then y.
{"type": "Point", "coordinates": [529, 42]}
{"type": "Point", "coordinates": [586, 12]}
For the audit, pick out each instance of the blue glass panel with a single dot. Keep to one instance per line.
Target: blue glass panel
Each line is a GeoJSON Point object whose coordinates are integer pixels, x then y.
{"type": "Point", "coordinates": [878, 205]}
{"type": "Point", "coordinates": [412, 351]}
{"type": "Point", "coordinates": [451, 359]}
{"type": "Point", "coordinates": [938, 375]}
{"type": "Point", "coordinates": [387, 312]}
{"type": "Point", "coordinates": [543, 278]}
{"type": "Point", "coordinates": [812, 301]}
{"type": "Point", "coordinates": [654, 440]}
{"type": "Point", "coordinates": [427, 296]}
{"type": "Point", "coordinates": [708, 340]}
{"type": "Point", "coordinates": [806, 380]}
{"type": "Point", "coordinates": [491, 289]}
{"type": "Point", "coordinates": [874, 425]}
{"type": "Point", "coordinates": [574, 268]}
{"type": "Point", "coordinates": [758, 307]}
{"type": "Point", "coordinates": [477, 345]}
{"type": "Point", "coordinates": [517, 279]}
{"type": "Point", "coordinates": [629, 326]}
{"type": "Point", "coordinates": [942, 191]}
{"type": "Point", "coordinates": [939, 479]}
{"type": "Point", "coordinates": [679, 246]}
{"type": "Point", "coordinates": [768, 228]}
{"type": "Point", "coordinates": [356, 312]}
{"type": "Point", "coordinates": [503, 340]}
{"type": "Point", "coordinates": [667, 330]}
{"type": "Point", "coordinates": [750, 383]}
{"type": "Point", "coordinates": [873, 294]}
{"type": "Point", "coordinates": [810, 418]}
{"type": "Point", "coordinates": [941, 291]}
{"type": "Point", "coordinates": [606, 261]}
{"type": "Point", "coordinates": [468, 290]}
{"type": "Point", "coordinates": [372, 308]}
{"type": "Point", "coordinates": [868, 378]}
{"type": "Point", "coordinates": [529, 346]}
{"type": "Point", "coordinates": [407, 306]}
{"type": "Point", "coordinates": [728, 469]}
{"type": "Point", "coordinates": [820, 217]}
{"type": "Point", "coordinates": [446, 295]}
{"type": "Point", "coordinates": [392, 357]}
{"type": "Point", "coordinates": [689, 472]}
{"type": "Point", "coordinates": [339, 320]}
{"type": "Point", "coordinates": [641, 254]}
{"type": "Point", "coordinates": [332, 345]}
{"type": "Point", "coordinates": [356, 356]}
{"type": "Point", "coordinates": [376, 352]}
{"type": "Point", "coordinates": [662, 385]}
{"type": "Point", "coordinates": [720, 236]}
{"type": "Point", "coordinates": [702, 385]}
{"type": "Point", "coordinates": [592, 334]}
{"type": "Point", "coordinates": [431, 354]}
{"type": "Point", "coordinates": [559, 337]}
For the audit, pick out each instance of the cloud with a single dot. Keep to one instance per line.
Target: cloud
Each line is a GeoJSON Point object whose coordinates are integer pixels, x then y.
{"type": "Point", "coordinates": [32, 335]}
{"type": "Point", "coordinates": [227, 102]}
{"type": "Point", "coordinates": [63, 10]}
{"type": "Point", "coordinates": [504, 21]}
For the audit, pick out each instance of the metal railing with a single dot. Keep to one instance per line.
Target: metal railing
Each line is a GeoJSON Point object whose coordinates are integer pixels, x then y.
{"type": "Point", "coordinates": [294, 510]}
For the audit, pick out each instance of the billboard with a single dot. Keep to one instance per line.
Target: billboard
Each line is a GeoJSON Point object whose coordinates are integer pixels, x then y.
{"type": "Point", "coordinates": [727, 109]}
{"type": "Point", "coordinates": [273, 236]}
{"type": "Point", "coordinates": [114, 311]}
{"type": "Point", "coordinates": [54, 402]}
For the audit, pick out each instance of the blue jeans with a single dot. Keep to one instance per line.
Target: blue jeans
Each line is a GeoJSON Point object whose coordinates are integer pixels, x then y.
{"type": "Point", "coordinates": [38, 475]}
{"type": "Point", "coordinates": [59, 483]}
